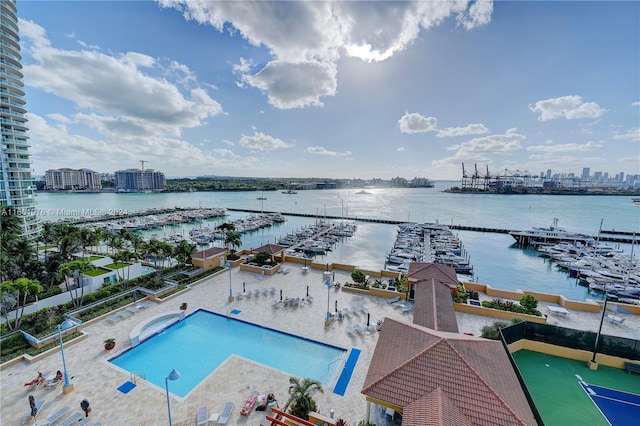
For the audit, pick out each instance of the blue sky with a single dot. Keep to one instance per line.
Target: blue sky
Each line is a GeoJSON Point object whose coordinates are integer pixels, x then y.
{"type": "Point", "coordinates": [333, 89]}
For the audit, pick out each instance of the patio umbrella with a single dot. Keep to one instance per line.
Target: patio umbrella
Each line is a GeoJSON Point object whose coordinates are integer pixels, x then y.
{"type": "Point", "coordinates": [336, 306]}
{"type": "Point", "coordinates": [281, 295]}
{"type": "Point", "coordinates": [32, 404]}
{"type": "Point", "coordinates": [333, 277]}
{"type": "Point", "coordinates": [307, 291]}
{"type": "Point", "coordinates": [243, 288]}
{"type": "Point", "coordinates": [368, 315]}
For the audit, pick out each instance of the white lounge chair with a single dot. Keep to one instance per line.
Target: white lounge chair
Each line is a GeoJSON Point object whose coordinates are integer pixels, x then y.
{"type": "Point", "coordinates": [54, 417]}
{"type": "Point", "coordinates": [350, 331]}
{"type": "Point", "coordinates": [113, 319]}
{"type": "Point", "coordinates": [202, 418]}
{"type": "Point", "coordinates": [395, 299]}
{"type": "Point", "coordinates": [123, 314]}
{"type": "Point", "coordinates": [354, 310]}
{"type": "Point", "coordinates": [226, 413]}
{"type": "Point", "coordinates": [363, 309]}
{"type": "Point", "coordinates": [142, 305]}
{"type": "Point", "coordinates": [83, 422]}
{"type": "Point", "coordinates": [265, 291]}
{"type": "Point", "coordinates": [72, 419]}
{"type": "Point", "coordinates": [358, 328]}
{"type": "Point", "coordinates": [132, 309]}
{"type": "Point", "coordinates": [407, 308]}
{"type": "Point", "coordinates": [346, 312]}
{"type": "Point", "coordinates": [273, 290]}
{"type": "Point", "coordinates": [256, 292]}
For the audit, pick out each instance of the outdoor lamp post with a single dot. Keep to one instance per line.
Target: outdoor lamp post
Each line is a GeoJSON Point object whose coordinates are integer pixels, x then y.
{"type": "Point", "coordinates": [327, 320]}
{"type": "Point", "coordinates": [173, 375]}
{"type": "Point", "coordinates": [67, 387]}
{"type": "Point", "coordinates": [228, 265]}
{"type": "Point", "coordinates": [593, 364]}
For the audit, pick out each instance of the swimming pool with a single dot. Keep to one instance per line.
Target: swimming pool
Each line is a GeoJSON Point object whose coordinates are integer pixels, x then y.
{"type": "Point", "coordinates": [202, 341]}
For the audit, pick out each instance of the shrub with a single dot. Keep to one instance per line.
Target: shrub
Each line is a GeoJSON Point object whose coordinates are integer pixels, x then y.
{"type": "Point", "coordinates": [358, 276]}
{"type": "Point", "coordinates": [493, 331]}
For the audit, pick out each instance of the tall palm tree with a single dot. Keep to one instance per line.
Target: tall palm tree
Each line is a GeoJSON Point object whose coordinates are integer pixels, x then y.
{"type": "Point", "coordinates": [75, 269]}
{"type": "Point", "coordinates": [225, 228]}
{"type": "Point", "coordinates": [234, 240]}
{"type": "Point", "coordinates": [301, 397]}
{"type": "Point", "coordinates": [183, 252]}
{"type": "Point", "coordinates": [21, 288]}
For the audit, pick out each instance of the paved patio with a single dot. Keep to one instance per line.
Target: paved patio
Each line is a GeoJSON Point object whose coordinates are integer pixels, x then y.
{"type": "Point", "coordinates": [97, 380]}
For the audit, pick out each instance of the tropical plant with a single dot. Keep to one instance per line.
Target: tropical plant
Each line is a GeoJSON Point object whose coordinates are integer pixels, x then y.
{"type": "Point", "coordinates": [233, 239]}
{"type": "Point", "coordinates": [183, 252]}
{"type": "Point", "coordinates": [358, 276]}
{"type": "Point", "coordinates": [341, 422]}
{"type": "Point", "coordinates": [74, 270]}
{"type": "Point", "coordinates": [109, 343]}
{"type": "Point", "coordinates": [18, 290]}
{"type": "Point", "coordinates": [493, 331]}
{"type": "Point", "coordinates": [301, 400]}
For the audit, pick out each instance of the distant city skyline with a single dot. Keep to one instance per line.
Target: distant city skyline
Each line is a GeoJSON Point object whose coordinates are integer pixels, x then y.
{"type": "Point", "coordinates": [332, 89]}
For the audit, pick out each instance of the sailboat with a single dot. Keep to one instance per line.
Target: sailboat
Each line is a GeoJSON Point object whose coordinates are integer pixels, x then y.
{"type": "Point", "coordinates": [261, 197]}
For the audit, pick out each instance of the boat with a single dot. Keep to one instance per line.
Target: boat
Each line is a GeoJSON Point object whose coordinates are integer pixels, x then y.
{"type": "Point", "coordinates": [636, 200]}
{"type": "Point", "coordinates": [553, 234]}
{"type": "Point", "coordinates": [289, 191]}
{"type": "Point", "coordinates": [363, 192]}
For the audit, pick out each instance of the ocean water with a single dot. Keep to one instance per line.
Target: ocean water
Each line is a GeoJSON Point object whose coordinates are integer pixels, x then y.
{"type": "Point", "coordinates": [495, 258]}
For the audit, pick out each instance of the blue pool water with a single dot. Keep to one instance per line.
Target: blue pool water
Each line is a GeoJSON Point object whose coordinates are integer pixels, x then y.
{"type": "Point", "coordinates": [203, 340]}
{"type": "Point", "coordinates": [147, 270]}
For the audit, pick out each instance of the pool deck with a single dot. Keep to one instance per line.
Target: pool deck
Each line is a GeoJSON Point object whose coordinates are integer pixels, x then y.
{"type": "Point", "coordinates": [97, 380]}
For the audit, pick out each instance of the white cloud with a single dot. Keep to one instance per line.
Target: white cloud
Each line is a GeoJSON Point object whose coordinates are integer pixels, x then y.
{"type": "Point", "coordinates": [262, 142]}
{"type": "Point", "coordinates": [401, 149]}
{"type": "Point", "coordinates": [295, 85]}
{"type": "Point", "coordinates": [415, 123]}
{"type": "Point", "coordinates": [569, 107]}
{"type": "Point", "coordinates": [319, 150]}
{"type": "Point", "coordinates": [108, 86]}
{"type": "Point", "coordinates": [631, 134]}
{"type": "Point", "coordinates": [636, 103]}
{"type": "Point", "coordinates": [311, 36]}
{"type": "Point", "coordinates": [568, 147]}
{"type": "Point", "coordinates": [471, 129]}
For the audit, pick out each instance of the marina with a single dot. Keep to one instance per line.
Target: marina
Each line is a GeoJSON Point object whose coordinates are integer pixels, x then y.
{"type": "Point", "coordinates": [482, 222]}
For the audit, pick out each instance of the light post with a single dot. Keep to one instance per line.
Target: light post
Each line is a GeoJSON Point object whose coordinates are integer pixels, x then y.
{"type": "Point", "coordinates": [327, 320]}
{"type": "Point", "coordinates": [173, 375]}
{"type": "Point", "coordinates": [228, 265]}
{"type": "Point", "coordinates": [67, 387]}
{"type": "Point", "coordinates": [593, 364]}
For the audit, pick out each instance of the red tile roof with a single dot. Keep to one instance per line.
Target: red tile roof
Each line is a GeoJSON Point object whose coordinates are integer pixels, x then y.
{"type": "Point", "coordinates": [433, 307]}
{"type": "Point", "coordinates": [210, 252]}
{"type": "Point", "coordinates": [427, 271]}
{"type": "Point", "coordinates": [269, 248]}
{"type": "Point", "coordinates": [474, 374]}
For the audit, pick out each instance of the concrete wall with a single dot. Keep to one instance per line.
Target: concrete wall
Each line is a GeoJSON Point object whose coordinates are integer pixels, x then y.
{"type": "Point", "coordinates": [577, 354]}
{"type": "Point", "coordinates": [495, 313]}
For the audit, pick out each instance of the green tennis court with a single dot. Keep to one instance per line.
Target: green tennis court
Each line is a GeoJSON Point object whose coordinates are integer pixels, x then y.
{"type": "Point", "coordinates": [557, 392]}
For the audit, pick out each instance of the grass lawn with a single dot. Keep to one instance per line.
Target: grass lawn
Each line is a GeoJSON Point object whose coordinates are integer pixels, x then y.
{"type": "Point", "coordinates": [92, 258]}
{"type": "Point", "coordinates": [96, 272]}
{"type": "Point", "coordinates": [556, 390]}
{"type": "Point", "coordinates": [116, 265]}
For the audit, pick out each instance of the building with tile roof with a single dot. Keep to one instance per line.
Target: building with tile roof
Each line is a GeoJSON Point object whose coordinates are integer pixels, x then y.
{"type": "Point", "coordinates": [426, 373]}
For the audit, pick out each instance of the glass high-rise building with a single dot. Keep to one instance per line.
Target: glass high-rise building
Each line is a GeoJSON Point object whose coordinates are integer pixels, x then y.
{"type": "Point", "coordinates": [16, 184]}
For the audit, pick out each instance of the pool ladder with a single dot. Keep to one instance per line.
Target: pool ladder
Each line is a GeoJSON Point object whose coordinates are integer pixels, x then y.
{"type": "Point", "coordinates": [136, 375]}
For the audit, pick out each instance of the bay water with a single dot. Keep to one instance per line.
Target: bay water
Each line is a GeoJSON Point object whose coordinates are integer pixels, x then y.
{"type": "Point", "coordinates": [497, 261]}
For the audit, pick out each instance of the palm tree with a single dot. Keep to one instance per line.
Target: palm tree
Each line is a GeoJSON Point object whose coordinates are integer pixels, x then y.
{"type": "Point", "coordinates": [124, 256]}
{"type": "Point", "coordinates": [21, 289]}
{"type": "Point", "coordinates": [75, 269]}
{"type": "Point", "coordinates": [300, 397]}
{"type": "Point", "coordinates": [226, 227]}
{"type": "Point", "coordinates": [183, 252]}
{"type": "Point", "coordinates": [234, 240]}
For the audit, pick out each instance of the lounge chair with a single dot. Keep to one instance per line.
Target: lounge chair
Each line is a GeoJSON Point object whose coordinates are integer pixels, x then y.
{"type": "Point", "coordinates": [256, 292]}
{"type": "Point", "coordinates": [363, 309]}
{"type": "Point", "coordinates": [39, 405]}
{"type": "Point", "coordinates": [248, 294]}
{"type": "Point", "coordinates": [346, 312]}
{"type": "Point", "coordinates": [350, 331]}
{"type": "Point", "coordinates": [142, 305]}
{"type": "Point", "coordinates": [113, 319]}
{"type": "Point", "coordinates": [202, 418]}
{"type": "Point", "coordinates": [239, 295]}
{"type": "Point", "coordinates": [52, 384]}
{"type": "Point", "coordinates": [358, 328]}
{"type": "Point", "coordinates": [395, 299]}
{"type": "Point", "coordinates": [123, 315]}
{"type": "Point", "coordinates": [72, 419]}
{"type": "Point", "coordinates": [38, 381]}
{"type": "Point", "coordinates": [407, 308]}
{"type": "Point", "coordinates": [276, 304]}
{"type": "Point", "coordinates": [83, 422]}
{"type": "Point", "coordinates": [355, 310]}
{"type": "Point", "coordinates": [265, 291]}
{"type": "Point", "coordinates": [54, 417]}
{"type": "Point", "coordinates": [226, 413]}
{"type": "Point", "coordinates": [247, 408]}
{"type": "Point", "coordinates": [132, 309]}
{"type": "Point", "coordinates": [273, 290]}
